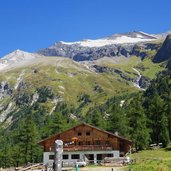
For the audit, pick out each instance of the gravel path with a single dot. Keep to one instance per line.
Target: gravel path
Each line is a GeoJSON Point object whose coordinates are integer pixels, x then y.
{"type": "Point", "coordinates": [103, 169]}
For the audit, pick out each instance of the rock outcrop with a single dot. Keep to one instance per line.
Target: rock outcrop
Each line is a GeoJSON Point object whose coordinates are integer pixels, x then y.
{"type": "Point", "coordinates": [5, 90]}
{"type": "Point", "coordinates": [164, 52]}
{"type": "Point", "coordinates": [169, 64]}
{"type": "Point", "coordinates": [144, 82]}
{"type": "Point", "coordinates": [102, 69]}
{"type": "Point", "coordinates": [79, 53]}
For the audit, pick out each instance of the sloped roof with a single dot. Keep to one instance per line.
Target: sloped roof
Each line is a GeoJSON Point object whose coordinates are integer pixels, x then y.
{"type": "Point", "coordinates": [85, 124]}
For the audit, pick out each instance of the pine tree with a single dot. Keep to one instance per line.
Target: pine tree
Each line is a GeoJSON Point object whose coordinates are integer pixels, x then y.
{"type": "Point", "coordinates": [117, 121]}
{"type": "Point", "coordinates": [26, 140]}
{"type": "Point", "coordinates": [164, 133]}
{"type": "Point", "coordinates": [5, 152]}
{"type": "Point", "coordinates": [56, 123]}
{"type": "Point", "coordinates": [168, 112]}
{"type": "Point", "coordinates": [159, 125]}
{"type": "Point", "coordinates": [139, 132]}
{"type": "Point", "coordinates": [96, 118]}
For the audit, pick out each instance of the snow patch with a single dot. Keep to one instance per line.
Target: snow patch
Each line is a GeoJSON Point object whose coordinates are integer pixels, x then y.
{"type": "Point", "coordinates": [149, 35]}
{"type": "Point", "coordinates": [122, 39]}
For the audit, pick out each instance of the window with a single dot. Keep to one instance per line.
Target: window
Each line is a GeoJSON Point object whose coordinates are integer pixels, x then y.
{"type": "Point", "coordinates": [79, 134]}
{"type": "Point", "coordinates": [75, 156]}
{"type": "Point", "coordinates": [107, 142]}
{"type": "Point", "coordinates": [109, 155]}
{"type": "Point", "coordinates": [97, 142]}
{"type": "Point", "coordinates": [51, 157]}
{"type": "Point", "coordinates": [65, 156]}
{"type": "Point", "coordinates": [80, 143]}
{"type": "Point", "coordinates": [87, 142]}
{"type": "Point", "coordinates": [87, 133]}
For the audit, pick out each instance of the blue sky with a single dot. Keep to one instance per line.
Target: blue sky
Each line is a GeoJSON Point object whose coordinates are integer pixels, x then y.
{"type": "Point", "coordinates": [30, 25]}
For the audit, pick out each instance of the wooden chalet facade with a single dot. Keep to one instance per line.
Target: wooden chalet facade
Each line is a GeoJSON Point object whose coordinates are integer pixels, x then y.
{"type": "Point", "coordinates": [86, 142]}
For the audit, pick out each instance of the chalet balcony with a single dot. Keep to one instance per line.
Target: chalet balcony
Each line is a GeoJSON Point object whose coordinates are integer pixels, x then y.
{"type": "Point", "coordinates": [87, 147]}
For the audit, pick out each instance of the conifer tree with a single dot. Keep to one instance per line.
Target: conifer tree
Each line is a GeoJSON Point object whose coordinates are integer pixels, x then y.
{"type": "Point", "coordinates": [117, 121]}
{"type": "Point", "coordinates": [56, 123]}
{"type": "Point", "coordinates": [159, 120]}
{"type": "Point", "coordinates": [139, 132]}
{"type": "Point", "coordinates": [27, 140]}
{"type": "Point", "coordinates": [168, 112]}
{"type": "Point", "coordinates": [95, 118]}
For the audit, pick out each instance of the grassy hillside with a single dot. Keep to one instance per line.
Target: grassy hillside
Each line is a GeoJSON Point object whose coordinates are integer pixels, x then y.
{"type": "Point", "coordinates": [149, 69]}
{"type": "Point", "coordinates": [153, 160]}
{"type": "Point", "coordinates": [146, 67]}
{"type": "Point", "coordinates": [69, 81]}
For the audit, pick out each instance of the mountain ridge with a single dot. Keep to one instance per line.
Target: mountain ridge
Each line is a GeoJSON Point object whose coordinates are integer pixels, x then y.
{"type": "Point", "coordinates": [130, 37]}
{"type": "Point", "coordinates": [126, 44]}
{"type": "Point", "coordinates": [76, 51]}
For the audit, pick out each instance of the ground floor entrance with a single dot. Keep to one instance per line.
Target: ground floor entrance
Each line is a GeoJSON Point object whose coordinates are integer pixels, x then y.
{"type": "Point", "coordinates": [89, 158]}
{"type": "Point", "coordinates": [70, 158]}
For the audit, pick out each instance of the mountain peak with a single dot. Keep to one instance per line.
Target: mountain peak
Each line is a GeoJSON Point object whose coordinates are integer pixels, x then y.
{"type": "Point", "coordinates": [16, 57]}
{"type": "Point", "coordinates": [132, 37]}
{"type": "Point", "coordinates": [16, 53]}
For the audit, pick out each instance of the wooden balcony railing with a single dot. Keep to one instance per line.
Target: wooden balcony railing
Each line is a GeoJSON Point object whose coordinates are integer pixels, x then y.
{"type": "Point", "coordinates": [87, 147]}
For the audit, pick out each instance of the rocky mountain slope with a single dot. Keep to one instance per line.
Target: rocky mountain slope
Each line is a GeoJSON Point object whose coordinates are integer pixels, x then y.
{"type": "Point", "coordinates": [169, 64]}
{"type": "Point", "coordinates": [164, 52]}
{"type": "Point", "coordinates": [54, 81]}
{"type": "Point", "coordinates": [128, 44]}
{"type": "Point", "coordinates": [58, 83]}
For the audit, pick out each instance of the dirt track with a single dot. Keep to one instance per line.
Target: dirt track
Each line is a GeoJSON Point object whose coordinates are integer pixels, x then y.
{"type": "Point", "coordinates": [103, 169]}
{"type": "Point", "coordinates": [80, 169]}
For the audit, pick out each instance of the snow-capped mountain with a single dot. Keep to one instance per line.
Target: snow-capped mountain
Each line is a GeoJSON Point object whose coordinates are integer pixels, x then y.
{"type": "Point", "coordinates": [111, 46]}
{"type": "Point", "coordinates": [127, 44]}
{"type": "Point", "coordinates": [29, 78]}
{"type": "Point", "coordinates": [132, 37]}
{"type": "Point", "coordinates": [16, 57]}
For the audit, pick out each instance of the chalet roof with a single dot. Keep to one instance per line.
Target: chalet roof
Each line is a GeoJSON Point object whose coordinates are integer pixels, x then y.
{"type": "Point", "coordinates": [81, 124]}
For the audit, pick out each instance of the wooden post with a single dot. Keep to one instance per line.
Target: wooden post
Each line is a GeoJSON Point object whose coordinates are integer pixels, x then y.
{"type": "Point", "coordinates": [58, 155]}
